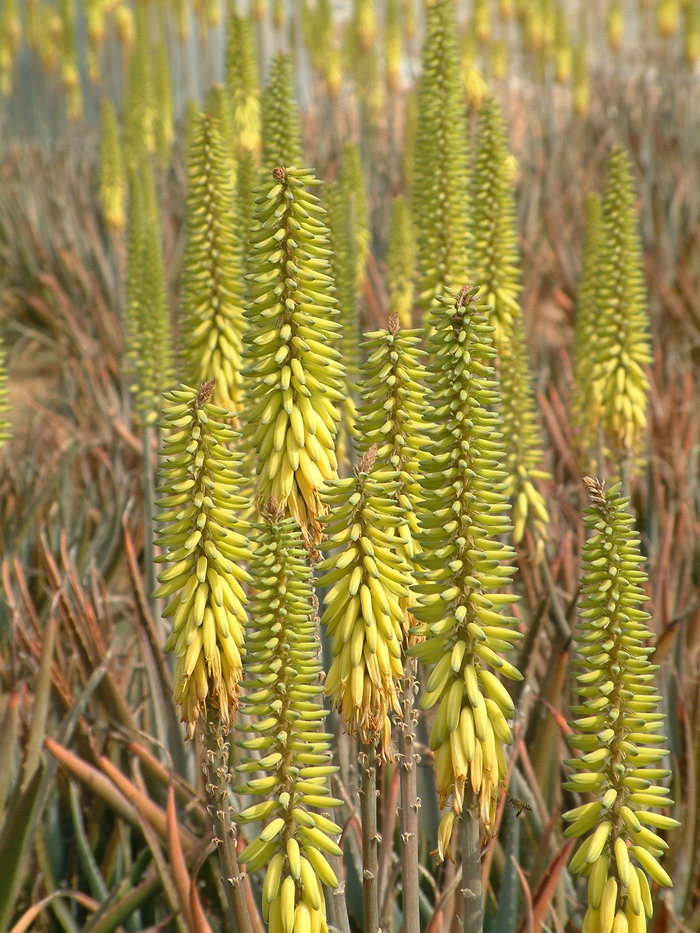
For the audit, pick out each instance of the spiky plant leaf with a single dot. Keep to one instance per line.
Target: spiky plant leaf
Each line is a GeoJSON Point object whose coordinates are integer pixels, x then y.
{"type": "Point", "coordinates": [281, 136]}
{"type": "Point", "coordinates": [363, 613]}
{"type": "Point", "coordinates": [205, 543]}
{"type": "Point", "coordinates": [617, 727]}
{"type": "Point", "coordinates": [496, 265]}
{"type": "Point", "coordinates": [212, 322]}
{"type": "Point", "coordinates": [295, 377]}
{"type": "Point", "coordinates": [288, 744]}
{"type": "Point", "coordinates": [464, 514]}
{"type": "Point", "coordinates": [112, 169]}
{"type": "Point", "coordinates": [440, 199]}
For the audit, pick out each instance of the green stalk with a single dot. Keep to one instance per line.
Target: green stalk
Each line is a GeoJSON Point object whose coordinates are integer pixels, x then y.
{"type": "Point", "coordinates": [409, 759]}
{"type": "Point", "coordinates": [219, 780]}
{"type": "Point", "coordinates": [370, 838]}
{"type": "Point", "coordinates": [473, 911]}
{"type": "Point", "coordinates": [149, 495]}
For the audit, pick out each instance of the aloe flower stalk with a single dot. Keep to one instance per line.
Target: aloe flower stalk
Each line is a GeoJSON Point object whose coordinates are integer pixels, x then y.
{"type": "Point", "coordinates": [284, 719]}
{"type": "Point", "coordinates": [112, 170]}
{"type": "Point", "coordinates": [342, 230]}
{"type": "Point", "coordinates": [10, 37]}
{"type": "Point", "coordinates": [364, 616]}
{"type": "Point", "coordinates": [400, 262]}
{"type": "Point", "coordinates": [295, 377]}
{"type": "Point", "coordinates": [163, 131]}
{"type": "Point", "coordinates": [211, 309]}
{"type": "Point", "coordinates": [613, 398]}
{"type": "Point", "coordinates": [353, 182]}
{"type": "Point", "coordinates": [393, 45]}
{"type": "Point", "coordinates": [496, 265]}
{"type": "Point", "coordinates": [466, 632]}
{"type": "Point", "coordinates": [242, 83]}
{"type": "Point", "coordinates": [391, 418]}
{"type": "Point", "coordinates": [70, 71]}
{"type": "Point", "coordinates": [147, 326]}
{"type": "Point", "coordinates": [281, 136]}
{"type": "Point", "coordinates": [440, 199]}
{"type": "Point", "coordinates": [205, 543]}
{"type": "Point", "coordinates": [617, 728]}
{"type": "Point", "coordinates": [139, 102]}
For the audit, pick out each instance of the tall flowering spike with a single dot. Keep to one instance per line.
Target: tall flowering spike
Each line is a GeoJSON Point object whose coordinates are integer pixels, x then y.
{"type": "Point", "coordinates": [139, 102]}
{"type": "Point", "coordinates": [112, 169]}
{"type": "Point", "coordinates": [70, 70]}
{"type": "Point", "coordinates": [248, 178]}
{"type": "Point", "coordinates": [5, 432]}
{"type": "Point", "coordinates": [280, 119]}
{"type": "Point", "coordinates": [400, 262]}
{"type": "Point", "coordinates": [391, 416]}
{"type": "Point", "coordinates": [581, 79]}
{"type": "Point", "coordinates": [363, 616]}
{"type": "Point", "coordinates": [295, 377]}
{"type": "Point", "coordinates": [353, 180]}
{"type": "Point", "coordinates": [288, 744]}
{"type": "Point", "coordinates": [615, 395]}
{"type": "Point", "coordinates": [617, 728]}
{"type": "Point", "coordinates": [586, 320]}
{"type": "Point", "coordinates": [242, 83]}
{"type": "Point", "coordinates": [148, 333]}
{"type": "Point", "coordinates": [211, 310]}
{"type": "Point", "coordinates": [342, 230]}
{"type": "Point", "coordinates": [464, 513]}
{"type": "Point", "coordinates": [163, 113]}
{"type": "Point", "coordinates": [393, 45]}
{"type": "Point", "coordinates": [441, 194]}
{"type": "Point", "coordinates": [205, 544]}
{"type": "Point", "coordinates": [10, 37]}
{"type": "Point", "coordinates": [497, 269]}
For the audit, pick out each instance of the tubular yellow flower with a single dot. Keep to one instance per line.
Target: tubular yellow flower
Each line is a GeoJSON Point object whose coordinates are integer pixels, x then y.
{"type": "Point", "coordinates": [617, 728]}
{"type": "Point", "coordinates": [294, 371]}
{"type": "Point", "coordinates": [281, 702]}
{"type": "Point", "coordinates": [463, 514]}
{"type": "Point", "coordinates": [364, 617]}
{"type": "Point", "coordinates": [205, 544]}
{"type": "Point", "coordinates": [211, 310]}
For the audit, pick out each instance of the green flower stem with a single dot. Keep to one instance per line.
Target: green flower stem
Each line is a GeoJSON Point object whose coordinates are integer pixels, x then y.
{"type": "Point", "coordinates": [219, 781]}
{"type": "Point", "coordinates": [473, 910]}
{"type": "Point", "coordinates": [370, 838]}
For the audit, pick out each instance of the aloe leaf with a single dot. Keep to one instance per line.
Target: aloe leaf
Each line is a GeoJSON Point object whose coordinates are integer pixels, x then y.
{"type": "Point", "coordinates": [14, 844]}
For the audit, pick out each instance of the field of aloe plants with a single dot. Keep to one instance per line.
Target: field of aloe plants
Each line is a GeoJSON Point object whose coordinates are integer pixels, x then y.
{"type": "Point", "coordinates": [349, 466]}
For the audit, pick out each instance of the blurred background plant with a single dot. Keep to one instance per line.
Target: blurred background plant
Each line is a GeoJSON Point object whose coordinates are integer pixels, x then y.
{"type": "Point", "coordinates": [103, 806]}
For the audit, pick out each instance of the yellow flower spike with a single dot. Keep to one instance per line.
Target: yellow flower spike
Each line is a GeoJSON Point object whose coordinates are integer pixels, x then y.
{"type": "Point", "coordinates": [148, 338]}
{"type": "Point", "coordinates": [112, 170]}
{"type": "Point", "coordinates": [401, 262]}
{"type": "Point", "coordinates": [440, 201]}
{"type": "Point", "coordinates": [243, 86]}
{"type": "Point", "coordinates": [363, 613]}
{"type": "Point", "coordinates": [205, 544]}
{"type": "Point", "coordinates": [285, 713]}
{"type": "Point", "coordinates": [211, 313]}
{"type": "Point", "coordinates": [496, 265]}
{"type": "Point", "coordinates": [280, 119]}
{"type": "Point", "coordinates": [581, 80]}
{"type": "Point", "coordinates": [464, 563]}
{"type": "Point", "coordinates": [621, 740]}
{"type": "Point", "coordinates": [393, 45]}
{"type": "Point", "coordinates": [614, 395]}
{"type": "Point", "coordinates": [295, 377]}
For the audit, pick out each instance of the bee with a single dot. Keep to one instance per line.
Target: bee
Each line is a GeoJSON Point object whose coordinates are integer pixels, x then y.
{"type": "Point", "coordinates": [518, 805]}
